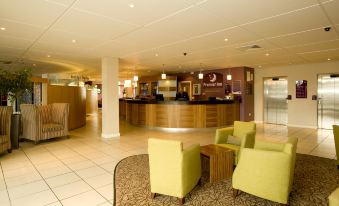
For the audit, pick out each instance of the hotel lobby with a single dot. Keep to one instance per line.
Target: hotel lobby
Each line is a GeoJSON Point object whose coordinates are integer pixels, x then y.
{"type": "Point", "coordinates": [181, 102]}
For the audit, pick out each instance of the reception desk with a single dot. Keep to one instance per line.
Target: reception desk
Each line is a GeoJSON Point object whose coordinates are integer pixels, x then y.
{"type": "Point", "coordinates": [180, 114]}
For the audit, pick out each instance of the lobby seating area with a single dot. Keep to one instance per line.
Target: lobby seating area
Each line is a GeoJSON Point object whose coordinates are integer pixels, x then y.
{"type": "Point", "coordinates": [44, 122]}
{"type": "Point", "coordinates": [5, 127]}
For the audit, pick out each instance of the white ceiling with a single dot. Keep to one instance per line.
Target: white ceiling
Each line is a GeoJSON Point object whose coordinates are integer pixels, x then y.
{"type": "Point", "coordinates": [291, 31]}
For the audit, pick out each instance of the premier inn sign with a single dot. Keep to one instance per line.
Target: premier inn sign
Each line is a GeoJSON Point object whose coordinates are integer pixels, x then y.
{"type": "Point", "coordinates": [213, 80]}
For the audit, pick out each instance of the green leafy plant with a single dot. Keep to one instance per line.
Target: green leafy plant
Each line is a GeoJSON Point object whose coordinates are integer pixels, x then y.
{"type": "Point", "coordinates": [15, 84]}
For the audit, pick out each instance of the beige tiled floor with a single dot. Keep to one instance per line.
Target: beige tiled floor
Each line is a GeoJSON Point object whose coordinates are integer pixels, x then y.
{"type": "Point", "coordinates": [79, 170]}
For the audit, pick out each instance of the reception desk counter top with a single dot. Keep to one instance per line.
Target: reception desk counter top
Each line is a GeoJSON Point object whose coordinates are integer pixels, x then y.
{"type": "Point", "coordinates": [180, 114]}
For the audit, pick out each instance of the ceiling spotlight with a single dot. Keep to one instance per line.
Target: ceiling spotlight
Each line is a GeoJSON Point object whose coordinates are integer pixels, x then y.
{"type": "Point", "coordinates": [260, 66]}
{"type": "Point", "coordinates": [131, 5]}
{"type": "Point", "coordinates": [156, 54]}
{"type": "Point", "coordinates": [34, 65]}
{"type": "Point", "coordinates": [3, 28]}
{"type": "Point", "coordinates": [73, 40]}
{"type": "Point", "coordinates": [328, 59]}
{"type": "Point", "coordinates": [225, 39]}
{"type": "Point", "coordinates": [267, 54]}
{"type": "Point", "coordinates": [48, 56]}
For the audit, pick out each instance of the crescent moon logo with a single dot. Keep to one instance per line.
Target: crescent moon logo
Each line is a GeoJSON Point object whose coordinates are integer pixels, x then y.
{"type": "Point", "coordinates": [214, 78]}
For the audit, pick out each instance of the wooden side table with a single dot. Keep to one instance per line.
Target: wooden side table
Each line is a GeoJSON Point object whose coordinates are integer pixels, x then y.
{"type": "Point", "coordinates": [218, 160]}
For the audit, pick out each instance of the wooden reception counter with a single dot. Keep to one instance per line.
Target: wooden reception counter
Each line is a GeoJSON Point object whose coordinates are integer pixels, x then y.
{"type": "Point", "coordinates": [180, 114]}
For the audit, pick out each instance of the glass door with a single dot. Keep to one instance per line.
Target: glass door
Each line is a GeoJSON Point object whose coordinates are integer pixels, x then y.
{"type": "Point", "coordinates": [328, 101]}
{"type": "Point", "coordinates": [275, 103]}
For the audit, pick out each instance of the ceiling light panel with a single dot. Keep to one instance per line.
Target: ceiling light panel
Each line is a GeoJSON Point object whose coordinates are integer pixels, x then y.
{"type": "Point", "coordinates": [93, 26]}
{"type": "Point", "coordinates": [294, 22]}
{"type": "Point", "coordinates": [331, 9]}
{"type": "Point", "coordinates": [312, 36]}
{"type": "Point", "coordinates": [118, 10]}
{"type": "Point", "coordinates": [38, 13]}
{"type": "Point", "coordinates": [241, 12]}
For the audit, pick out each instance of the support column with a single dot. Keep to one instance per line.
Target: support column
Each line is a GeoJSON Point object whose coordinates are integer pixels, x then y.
{"type": "Point", "coordinates": [110, 97]}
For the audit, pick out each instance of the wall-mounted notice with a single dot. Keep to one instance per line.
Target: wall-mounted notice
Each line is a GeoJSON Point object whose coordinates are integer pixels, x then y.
{"type": "Point", "coordinates": [301, 89]}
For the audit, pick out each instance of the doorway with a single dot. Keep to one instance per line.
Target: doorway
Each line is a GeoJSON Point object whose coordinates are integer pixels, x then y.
{"type": "Point", "coordinates": [328, 100]}
{"type": "Point", "coordinates": [275, 102]}
{"type": "Point", "coordinates": [186, 87]}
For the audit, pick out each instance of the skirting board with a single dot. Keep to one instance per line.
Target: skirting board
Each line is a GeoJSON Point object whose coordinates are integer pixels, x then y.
{"type": "Point", "coordinates": [302, 126]}
{"type": "Point", "coordinates": [110, 136]}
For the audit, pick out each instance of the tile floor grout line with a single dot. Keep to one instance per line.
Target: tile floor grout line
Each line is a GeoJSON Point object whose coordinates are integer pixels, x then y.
{"type": "Point", "coordinates": [79, 175]}
{"type": "Point", "coordinates": [6, 188]}
{"type": "Point", "coordinates": [42, 177]}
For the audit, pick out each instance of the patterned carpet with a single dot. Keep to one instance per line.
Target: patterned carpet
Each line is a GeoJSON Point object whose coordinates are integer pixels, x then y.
{"type": "Point", "coordinates": [315, 179]}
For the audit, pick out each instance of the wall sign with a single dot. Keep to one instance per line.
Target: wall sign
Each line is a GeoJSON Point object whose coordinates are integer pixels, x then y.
{"type": "Point", "coordinates": [301, 89]}
{"type": "Point", "coordinates": [213, 80]}
{"type": "Point", "coordinates": [196, 89]}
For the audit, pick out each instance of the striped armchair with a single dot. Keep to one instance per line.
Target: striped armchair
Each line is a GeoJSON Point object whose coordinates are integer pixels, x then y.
{"type": "Point", "coordinates": [5, 128]}
{"type": "Point", "coordinates": [44, 122]}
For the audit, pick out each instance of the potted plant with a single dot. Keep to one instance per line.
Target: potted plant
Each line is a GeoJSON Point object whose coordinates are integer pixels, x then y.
{"type": "Point", "coordinates": [14, 85]}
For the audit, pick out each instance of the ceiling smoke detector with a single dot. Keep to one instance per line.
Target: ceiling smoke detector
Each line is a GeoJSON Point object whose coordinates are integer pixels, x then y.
{"type": "Point", "coordinates": [249, 47]}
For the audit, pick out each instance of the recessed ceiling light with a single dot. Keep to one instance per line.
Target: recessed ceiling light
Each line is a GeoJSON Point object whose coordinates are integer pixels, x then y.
{"type": "Point", "coordinates": [3, 28]}
{"type": "Point", "coordinates": [73, 40]}
{"type": "Point", "coordinates": [260, 66]}
{"type": "Point", "coordinates": [267, 54]}
{"type": "Point", "coordinates": [156, 54]}
{"type": "Point", "coordinates": [131, 5]}
{"type": "Point", "coordinates": [34, 65]}
{"type": "Point", "coordinates": [225, 39]}
{"type": "Point", "coordinates": [48, 55]}
{"type": "Point", "coordinates": [328, 59]}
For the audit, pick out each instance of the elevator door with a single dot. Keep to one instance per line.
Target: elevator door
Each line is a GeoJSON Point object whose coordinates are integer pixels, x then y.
{"type": "Point", "coordinates": [275, 103]}
{"type": "Point", "coordinates": [328, 101]}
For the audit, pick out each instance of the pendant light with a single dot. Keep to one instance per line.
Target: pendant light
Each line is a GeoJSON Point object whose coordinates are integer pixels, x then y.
{"type": "Point", "coordinates": [229, 76]}
{"type": "Point", "coordinates": [201, 75]}
{"type": "Point", "coordinates": [163, 75]}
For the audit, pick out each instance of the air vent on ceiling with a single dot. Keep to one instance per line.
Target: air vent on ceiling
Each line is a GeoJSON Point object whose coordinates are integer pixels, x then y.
{"type": "Point", "coordinates": [249, 47]}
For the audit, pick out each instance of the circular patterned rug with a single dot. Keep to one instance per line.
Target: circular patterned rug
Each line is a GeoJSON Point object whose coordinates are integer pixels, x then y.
{"type": "Point", "coordinates": [315, 179]}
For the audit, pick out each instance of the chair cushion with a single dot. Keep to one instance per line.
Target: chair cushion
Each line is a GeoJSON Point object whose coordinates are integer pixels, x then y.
{"type": "Point", "coordinates": [334, 198]}
{"type": "Point", "coordinates": [51, 127]}
{"type": "Point", "coordinates": [233, 140]}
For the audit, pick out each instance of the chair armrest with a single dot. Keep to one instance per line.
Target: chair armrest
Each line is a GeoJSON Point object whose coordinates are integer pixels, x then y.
{"type": "Point", "coordinates": [248, 140]}
{"type": "Point", "coordinates": [260, 170]}
{"type": "Point", "coordinates": [191, 167]}
{"type": "Point", "coordinates": [221, 135]}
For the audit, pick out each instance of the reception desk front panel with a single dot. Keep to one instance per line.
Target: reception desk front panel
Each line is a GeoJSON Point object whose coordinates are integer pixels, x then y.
{"type": "Point", "coordinates": [180, 115]}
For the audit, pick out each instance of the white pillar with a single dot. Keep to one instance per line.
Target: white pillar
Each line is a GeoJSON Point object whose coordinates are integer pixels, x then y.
{"type": "Point", "coordinates": [110, 97]}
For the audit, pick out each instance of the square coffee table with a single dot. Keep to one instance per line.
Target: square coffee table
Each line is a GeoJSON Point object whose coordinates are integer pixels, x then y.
{"type": "Point", "coordinates": [218, 160]}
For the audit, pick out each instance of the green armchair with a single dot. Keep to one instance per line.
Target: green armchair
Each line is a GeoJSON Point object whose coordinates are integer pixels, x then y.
{"type": "Point", "coordinates": [267, 170]}
{"type": "Point", "coordinates": [173, 171]}
{"type": "Point", "coordinates": [243, 131]}
{"type": "Point", "coordinates": [336, 141]}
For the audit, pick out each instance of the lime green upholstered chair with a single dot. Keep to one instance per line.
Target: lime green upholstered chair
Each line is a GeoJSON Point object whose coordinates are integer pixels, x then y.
{"type": "Point", "coordinates": [336, 141]}
{"type": "Point", "coordinates": [243, 136]}
{"type": "Point", "coordinates": [333, 199]}
{"type": "Point", "coordinates": [267, 170]}
{"type": "Point", "coordinates": [173, 171]}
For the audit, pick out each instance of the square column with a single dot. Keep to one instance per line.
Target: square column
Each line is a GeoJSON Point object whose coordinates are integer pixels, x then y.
{"type": "Point", "coordinates": [110, 97]}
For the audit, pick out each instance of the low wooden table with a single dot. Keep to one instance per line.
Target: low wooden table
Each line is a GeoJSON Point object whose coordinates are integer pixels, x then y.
{"type": "Point", "coordinates": [218, 160]}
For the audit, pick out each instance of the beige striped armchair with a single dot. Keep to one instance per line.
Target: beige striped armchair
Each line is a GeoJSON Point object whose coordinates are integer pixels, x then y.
{"type": "Point", "coordinates": [44, 122]}
{"type": "Point", "coordinates": [5, 128]}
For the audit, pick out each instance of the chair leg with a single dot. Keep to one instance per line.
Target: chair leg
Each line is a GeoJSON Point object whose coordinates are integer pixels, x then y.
{"type": "Point", "coordinates": [181, 201]}
{"type": "Point", "coordinates": [199, 182]}
{"type": "Point", "coordinates": [235, 192]}
{"type": "Point", "coordinates": [153, 195]}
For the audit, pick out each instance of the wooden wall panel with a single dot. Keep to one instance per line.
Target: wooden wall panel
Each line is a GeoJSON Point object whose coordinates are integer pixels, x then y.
{"type": "Point", "coordinates": [76, 97]}
{"type": "Point", "coordinates": [91, 102]}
